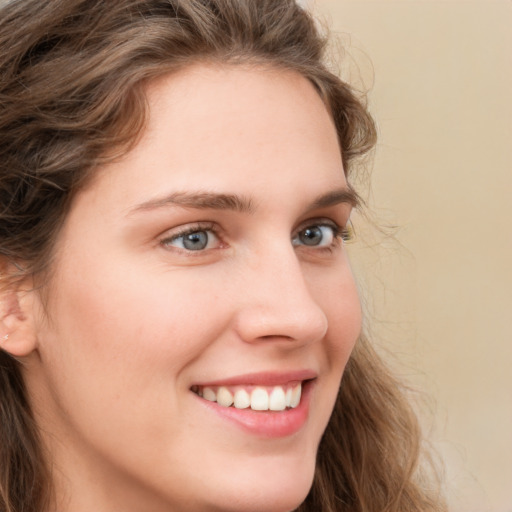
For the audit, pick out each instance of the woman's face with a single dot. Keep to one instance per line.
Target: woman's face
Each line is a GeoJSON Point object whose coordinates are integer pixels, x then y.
{"type": "Point", "coordinates": [205, 265]}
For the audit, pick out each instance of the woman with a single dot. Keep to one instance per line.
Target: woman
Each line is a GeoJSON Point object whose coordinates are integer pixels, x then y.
{"type": "Point", "coordinates": [177, 306]}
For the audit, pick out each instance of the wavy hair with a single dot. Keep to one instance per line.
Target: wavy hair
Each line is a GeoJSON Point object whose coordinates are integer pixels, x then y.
{"type": "Point", "coordinates": [72, 81]}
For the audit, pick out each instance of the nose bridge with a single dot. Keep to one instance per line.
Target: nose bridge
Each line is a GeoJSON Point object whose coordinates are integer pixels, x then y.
{"type": "Point", "coordinates": [277, 301]}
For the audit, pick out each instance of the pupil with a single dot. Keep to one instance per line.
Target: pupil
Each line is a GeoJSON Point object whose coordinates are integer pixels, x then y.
{"type": "Point", "coordinates": [311, 236]}
{"type": "Point", "coordinates": [195, 241]}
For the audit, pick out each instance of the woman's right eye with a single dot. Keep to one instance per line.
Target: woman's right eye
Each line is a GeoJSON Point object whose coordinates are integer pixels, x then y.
{"type": "Point", "coordinates": [193, 240]}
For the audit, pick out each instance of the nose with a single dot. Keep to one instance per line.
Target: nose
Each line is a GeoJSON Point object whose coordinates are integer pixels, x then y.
{"type": "Point", "coordinates": [276, 303]}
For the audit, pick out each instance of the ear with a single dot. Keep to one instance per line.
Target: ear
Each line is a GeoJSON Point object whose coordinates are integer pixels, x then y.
{"type": "Point", "coordinates": [17, 327]}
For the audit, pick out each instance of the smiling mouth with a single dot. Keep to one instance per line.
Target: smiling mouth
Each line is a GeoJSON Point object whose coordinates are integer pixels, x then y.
{"type": "Point", "coordinates": [257, 398]}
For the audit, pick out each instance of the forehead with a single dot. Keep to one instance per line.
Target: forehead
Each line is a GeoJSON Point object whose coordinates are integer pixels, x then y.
{"type": "Point", "coordinates": [230, 127]}
{"type": "Point", "coordinates": [229, 109]}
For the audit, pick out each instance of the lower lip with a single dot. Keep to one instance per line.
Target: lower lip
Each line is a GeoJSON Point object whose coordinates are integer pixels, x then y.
{"type": "Point", "coordinates": [267, 423]}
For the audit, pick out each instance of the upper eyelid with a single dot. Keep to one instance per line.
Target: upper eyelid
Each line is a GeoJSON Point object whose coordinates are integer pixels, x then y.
{"type": "Point", "coordinates": [172, 233]}
{"type": "Point", "coordinates": [321, 221]}
{"type": "Point", "coordinates": [213, 226]}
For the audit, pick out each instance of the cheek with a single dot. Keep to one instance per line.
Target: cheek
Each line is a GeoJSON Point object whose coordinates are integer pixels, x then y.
{"type": "Point", "coordinates": [345, 320]}
{"type": "Point", "coordinates": [115, 352]}
{"type": "Point", "coordinates": [336, 293]}
{"type": "Point", "coordinates": [115, 333]}
{"type": "Point", "coordinates": [338, 297]}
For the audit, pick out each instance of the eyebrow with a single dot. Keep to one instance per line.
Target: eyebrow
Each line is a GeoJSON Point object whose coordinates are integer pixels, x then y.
{"type": "Point", "coordinates": [339, 196]}
{"type": "Point", "coordinates": [199, 200]}
{"type": "Point", "coordinates": [218, 201]}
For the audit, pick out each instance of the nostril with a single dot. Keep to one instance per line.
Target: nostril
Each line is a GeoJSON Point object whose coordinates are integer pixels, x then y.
{"type": "Point", "coordinates": [273, 337]}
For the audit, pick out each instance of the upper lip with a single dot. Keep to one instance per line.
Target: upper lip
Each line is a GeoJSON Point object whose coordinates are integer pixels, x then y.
{"type": "Point", "coordinates": [267, 378]}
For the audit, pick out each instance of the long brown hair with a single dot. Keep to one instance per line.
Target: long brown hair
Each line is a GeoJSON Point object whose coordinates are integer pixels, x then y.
{"type": "Point", "coordinates": [72, 81]}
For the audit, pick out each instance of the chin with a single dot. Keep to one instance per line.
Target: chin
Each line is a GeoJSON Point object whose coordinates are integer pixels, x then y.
{"type": "Point", "coordinates": [274, 489]}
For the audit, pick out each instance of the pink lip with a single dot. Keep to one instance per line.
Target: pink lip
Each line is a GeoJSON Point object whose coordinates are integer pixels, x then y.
{"type": "Point", "coordinates": [262, 379]}
{"type": "Point", "coordinates": [267, 424]}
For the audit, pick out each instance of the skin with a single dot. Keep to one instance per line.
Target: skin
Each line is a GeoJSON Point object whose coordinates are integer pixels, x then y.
{"type": "Point", "coordinates": [133, 320]}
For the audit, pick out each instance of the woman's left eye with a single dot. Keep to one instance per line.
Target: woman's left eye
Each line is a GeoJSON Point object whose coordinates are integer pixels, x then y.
{"type": "Point", "coordinates": [317, 235]}
{"type": "Point", "coordinates": [196, 239]}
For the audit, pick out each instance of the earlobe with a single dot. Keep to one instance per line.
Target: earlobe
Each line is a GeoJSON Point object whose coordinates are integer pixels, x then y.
{"type": "Point", "coordinates": [17, 332]}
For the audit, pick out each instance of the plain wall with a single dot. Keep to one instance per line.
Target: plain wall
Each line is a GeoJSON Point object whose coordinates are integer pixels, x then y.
{"type": "Point", "coordinates": [440, 293]}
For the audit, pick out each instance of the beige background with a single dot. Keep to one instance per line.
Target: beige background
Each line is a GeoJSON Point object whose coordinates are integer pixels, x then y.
{"type": "Point", "coordinates": [440, 293]}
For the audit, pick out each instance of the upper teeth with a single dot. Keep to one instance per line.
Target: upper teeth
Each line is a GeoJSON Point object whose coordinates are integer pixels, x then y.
{"type": "Point", "coordinates": [276, 398]}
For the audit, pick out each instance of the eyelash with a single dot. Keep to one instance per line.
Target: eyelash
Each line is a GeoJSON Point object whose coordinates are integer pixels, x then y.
{"type": "Point", "coordinates": [339, 234]}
